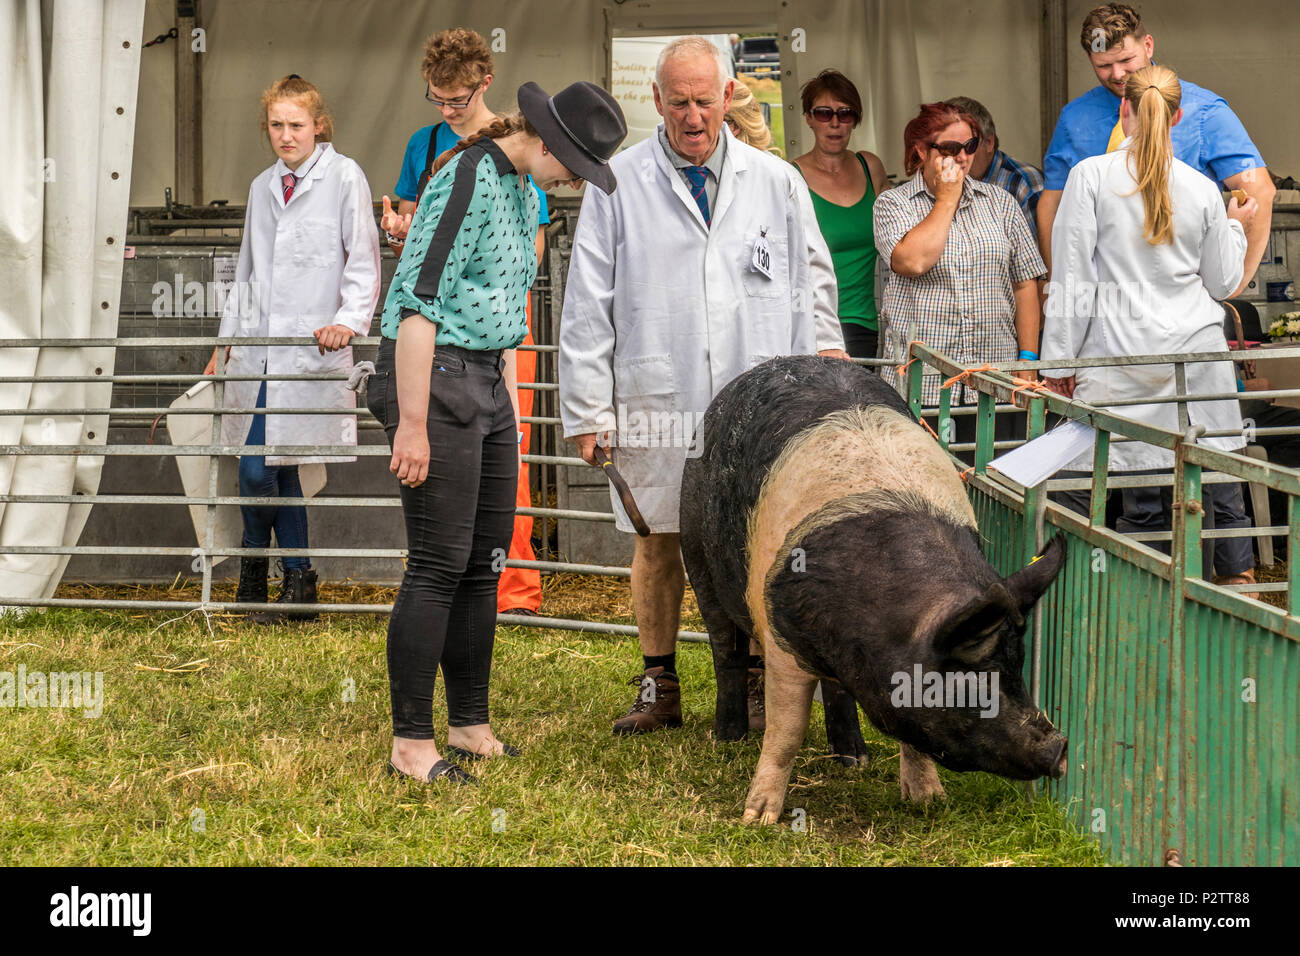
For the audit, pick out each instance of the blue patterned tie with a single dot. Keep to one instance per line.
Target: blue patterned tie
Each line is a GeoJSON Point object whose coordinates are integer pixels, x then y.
{"type": "Point", "coordinates": [697, 175]}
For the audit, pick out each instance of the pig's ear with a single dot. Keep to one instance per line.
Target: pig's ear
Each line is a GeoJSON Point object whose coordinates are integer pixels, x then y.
{"type": "Point", "coordinates": [971, 633]}
{"type": "Point", "coordinates": [1028, 584]}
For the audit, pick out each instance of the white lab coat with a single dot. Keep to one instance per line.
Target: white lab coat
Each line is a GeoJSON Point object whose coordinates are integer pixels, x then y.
{"type": "Point", "coordinates": [660, 311]}
{"type": "Point", "coordinates": [312, 263]}
{"type": "Point", "coordinates": [1112, 294]}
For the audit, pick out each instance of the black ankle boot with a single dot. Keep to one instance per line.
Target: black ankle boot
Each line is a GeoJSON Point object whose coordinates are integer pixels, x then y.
{"type": "Point", "coordinates": [252, 581]}
{"type": "Point", "coordinates": [298, 587]}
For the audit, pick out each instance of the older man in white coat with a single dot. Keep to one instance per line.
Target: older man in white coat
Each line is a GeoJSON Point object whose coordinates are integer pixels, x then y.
{"type": "Point", "coordinates": [695, 270]}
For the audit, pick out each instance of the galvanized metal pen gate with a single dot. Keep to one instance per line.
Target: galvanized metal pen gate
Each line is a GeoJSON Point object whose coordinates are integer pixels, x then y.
{"type": "Point", "coordinates": [1181, 700]}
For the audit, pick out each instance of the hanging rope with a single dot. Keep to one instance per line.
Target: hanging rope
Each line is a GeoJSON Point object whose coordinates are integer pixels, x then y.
{"type": "Point", "coordinates": [964, 377]}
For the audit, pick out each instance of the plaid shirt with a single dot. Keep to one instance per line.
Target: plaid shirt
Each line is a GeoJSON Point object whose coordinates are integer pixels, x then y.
{"type": "Point", "coordinates": [964, 306]}
{"type": "Point", "coordinates": [1024, 182]}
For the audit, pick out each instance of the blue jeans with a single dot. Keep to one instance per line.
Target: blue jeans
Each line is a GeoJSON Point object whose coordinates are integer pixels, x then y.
{"type": "Point", "coordinates": [257, 479]}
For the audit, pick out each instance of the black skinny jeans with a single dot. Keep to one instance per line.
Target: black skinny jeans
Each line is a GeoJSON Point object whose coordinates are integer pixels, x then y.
{"type": "Point", "coordinates": [458, 527]}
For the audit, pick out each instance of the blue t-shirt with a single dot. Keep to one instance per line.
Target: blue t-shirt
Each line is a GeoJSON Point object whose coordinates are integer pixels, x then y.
{"type": "Point", "coordinates": [1209, 138]}
{"type": "Point", "coordinates": [417, 151]}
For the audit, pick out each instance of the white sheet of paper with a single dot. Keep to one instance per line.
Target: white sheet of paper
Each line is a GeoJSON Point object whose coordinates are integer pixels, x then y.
{"type": "Point", "coordinates": [1034, 462]}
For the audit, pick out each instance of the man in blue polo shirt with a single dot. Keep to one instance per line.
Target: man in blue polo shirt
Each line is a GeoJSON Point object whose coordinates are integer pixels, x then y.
{"type": "Point", "coordinates": [1210, 138]}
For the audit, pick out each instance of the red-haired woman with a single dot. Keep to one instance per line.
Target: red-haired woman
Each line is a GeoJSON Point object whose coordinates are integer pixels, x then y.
{"type": "Point", "coordinates": [962, 261]}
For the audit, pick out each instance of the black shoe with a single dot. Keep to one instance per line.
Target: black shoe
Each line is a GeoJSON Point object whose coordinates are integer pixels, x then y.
{"type": "Point", "coordinates": [443, 768]}
{"type": "Point", "coordinates": [298, 587]}
{"type": "Point", "coordinates": [252, 581]}
{"type": "Point", "coordinates": [507, 750]}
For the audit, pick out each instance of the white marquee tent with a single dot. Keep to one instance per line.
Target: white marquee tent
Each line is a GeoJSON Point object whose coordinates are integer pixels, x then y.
{"type": "Point", "coordinates": [80, 151]}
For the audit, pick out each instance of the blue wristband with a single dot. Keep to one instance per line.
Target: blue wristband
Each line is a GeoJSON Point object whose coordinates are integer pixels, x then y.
{"type": "Point", "coordinates": [1028, 356]}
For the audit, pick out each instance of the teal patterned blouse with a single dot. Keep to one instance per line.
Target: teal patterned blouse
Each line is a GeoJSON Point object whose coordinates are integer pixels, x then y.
{"type": "Point", "coordinates": [470, 258]}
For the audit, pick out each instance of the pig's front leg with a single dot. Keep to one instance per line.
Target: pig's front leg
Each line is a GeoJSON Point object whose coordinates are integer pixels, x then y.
{"type": "Point", "coordinates": [789, 690]}
{"type": "Point", "coordinates": [918, 776]}
{"type": "Point", "coordinates": [843, 732]}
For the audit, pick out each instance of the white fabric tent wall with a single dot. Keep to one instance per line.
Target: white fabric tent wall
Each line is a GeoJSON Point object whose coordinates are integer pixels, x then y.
{"type": "Point", "coordinates": [365, 55]}
{"type": "Point", "coordinates": [70, 89]}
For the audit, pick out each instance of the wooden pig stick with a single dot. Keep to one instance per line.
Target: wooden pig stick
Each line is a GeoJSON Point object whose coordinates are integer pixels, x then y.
{"type": "Point", "coordinates": [624, 492]}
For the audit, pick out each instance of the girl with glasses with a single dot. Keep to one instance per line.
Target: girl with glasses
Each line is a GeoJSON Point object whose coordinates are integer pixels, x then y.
{"type": "Point", "coordinates": [457, 71]}
{"type": "Point", "coordinates": [844, 184]}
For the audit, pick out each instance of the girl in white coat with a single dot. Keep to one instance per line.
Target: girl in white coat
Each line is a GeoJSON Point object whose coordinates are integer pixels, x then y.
{"type": "Point", "coordinates": [308, 266]}
{"type": "Point", "coordinates": [1141, 249]}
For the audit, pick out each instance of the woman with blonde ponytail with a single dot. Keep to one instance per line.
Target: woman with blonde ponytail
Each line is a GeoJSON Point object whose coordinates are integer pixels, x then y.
{"type": "Point", "coordinates": [1141, 250]}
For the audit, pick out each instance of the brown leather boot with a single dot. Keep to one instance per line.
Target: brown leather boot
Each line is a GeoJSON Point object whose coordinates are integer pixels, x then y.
{"type": "Point", "coordinates": [757, 701]}
{"type": "Point", "coordinates": [1245, 577]}
{"type": "Point", "coordinates": [658, 703]}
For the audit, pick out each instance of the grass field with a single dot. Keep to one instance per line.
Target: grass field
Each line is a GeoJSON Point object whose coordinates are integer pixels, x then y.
{"type": "Point", "coordinates": [237, 746]}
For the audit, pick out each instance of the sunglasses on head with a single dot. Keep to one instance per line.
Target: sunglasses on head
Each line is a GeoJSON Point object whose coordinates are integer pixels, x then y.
{"type": "Point", "coordinates": [951, 148]}
{"type": "Point", "coordinates": [823, 114]}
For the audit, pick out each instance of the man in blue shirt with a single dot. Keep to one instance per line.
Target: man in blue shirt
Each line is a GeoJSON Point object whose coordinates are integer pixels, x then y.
{"type": "Point", "coordinates": [1210, 137]}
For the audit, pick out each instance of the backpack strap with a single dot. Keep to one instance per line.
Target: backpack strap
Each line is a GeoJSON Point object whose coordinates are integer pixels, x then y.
{"type": "Point", "coordinates": [430, 157]}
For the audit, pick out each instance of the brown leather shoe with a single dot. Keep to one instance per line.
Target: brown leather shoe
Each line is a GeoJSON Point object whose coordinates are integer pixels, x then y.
{"type": "Point", "coordinates": [658, 703]}
{"type": "Point", "coordinates": [757, 701]}
{"type": "Point", "coordinates": [1245, 577]}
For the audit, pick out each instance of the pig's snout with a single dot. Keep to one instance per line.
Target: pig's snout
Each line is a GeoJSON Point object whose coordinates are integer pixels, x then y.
{"type": "Point", "coordinates": [1053, 755]}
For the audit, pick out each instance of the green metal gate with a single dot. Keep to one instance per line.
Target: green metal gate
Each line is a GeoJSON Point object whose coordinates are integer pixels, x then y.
{"type": "Point", "coordinates": [1181, 699]}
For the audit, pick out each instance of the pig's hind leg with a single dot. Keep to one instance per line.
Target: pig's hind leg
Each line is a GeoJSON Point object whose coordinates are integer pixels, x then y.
{"type": "Point", "coordinates": [730, 645]}
{"type": "Point", "coordinates": [731, 669]}
{"type": "Point", "coordinates": [843, 731]}
{"type": "Point", "coordinates": [789, 690]}
{"type": "Point", "coordinates": [918, 776]}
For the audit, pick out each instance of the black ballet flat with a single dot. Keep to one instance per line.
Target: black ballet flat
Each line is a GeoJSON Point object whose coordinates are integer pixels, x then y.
{"type": "Point", "coordinates": [443, 768]}
{"type": "Point", "coordinates": [507, 750]}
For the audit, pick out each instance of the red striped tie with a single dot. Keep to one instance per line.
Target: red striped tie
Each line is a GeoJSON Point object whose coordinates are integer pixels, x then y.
{"type": "Point", "coordinates": [289, 182]}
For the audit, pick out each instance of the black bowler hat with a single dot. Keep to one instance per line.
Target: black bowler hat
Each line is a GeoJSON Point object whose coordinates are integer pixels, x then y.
{"type": "Point", "coordinates": [582, 125]}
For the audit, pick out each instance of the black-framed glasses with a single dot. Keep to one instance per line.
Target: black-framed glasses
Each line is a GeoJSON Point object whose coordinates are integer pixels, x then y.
{"type": "Point", "coordinates": [951, 148]}
{"type": "Point", "coordinates": [824, 114]}
{"type": "Point", "coordinates": [448, 104]}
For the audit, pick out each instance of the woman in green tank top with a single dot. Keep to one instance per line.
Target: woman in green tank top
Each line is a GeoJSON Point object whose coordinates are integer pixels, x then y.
{"type": "Point", "coordinates": [844, 185]}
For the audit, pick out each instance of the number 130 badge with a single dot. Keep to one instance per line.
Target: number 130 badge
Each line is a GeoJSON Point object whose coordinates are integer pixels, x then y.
{"type": "Point", "coordinates": [761, 261]}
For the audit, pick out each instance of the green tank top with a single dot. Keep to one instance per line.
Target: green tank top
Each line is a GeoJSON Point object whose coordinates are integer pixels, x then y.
{"type": "Point", "coordinates": [850, 233]}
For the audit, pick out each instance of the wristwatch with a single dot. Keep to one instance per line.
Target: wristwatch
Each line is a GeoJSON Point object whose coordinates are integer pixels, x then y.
{"type": "Point", "coordinates": [395, 240]}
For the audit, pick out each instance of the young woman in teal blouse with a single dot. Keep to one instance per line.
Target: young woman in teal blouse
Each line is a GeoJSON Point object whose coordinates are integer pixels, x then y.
{"type": "Point", "coordinates": [441, 389]}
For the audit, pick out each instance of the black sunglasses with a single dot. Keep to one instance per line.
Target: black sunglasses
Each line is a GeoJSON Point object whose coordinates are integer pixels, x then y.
{"type": "Point", "coordinates": [950, 148]}
{"type": "Point", "coordinates": [823, 114]}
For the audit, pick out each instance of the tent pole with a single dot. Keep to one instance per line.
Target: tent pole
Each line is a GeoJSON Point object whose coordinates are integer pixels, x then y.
{"type": "Point", "coordinates": [189, 105]}
{"type": "Point", "coordinates": [1052, 49]}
